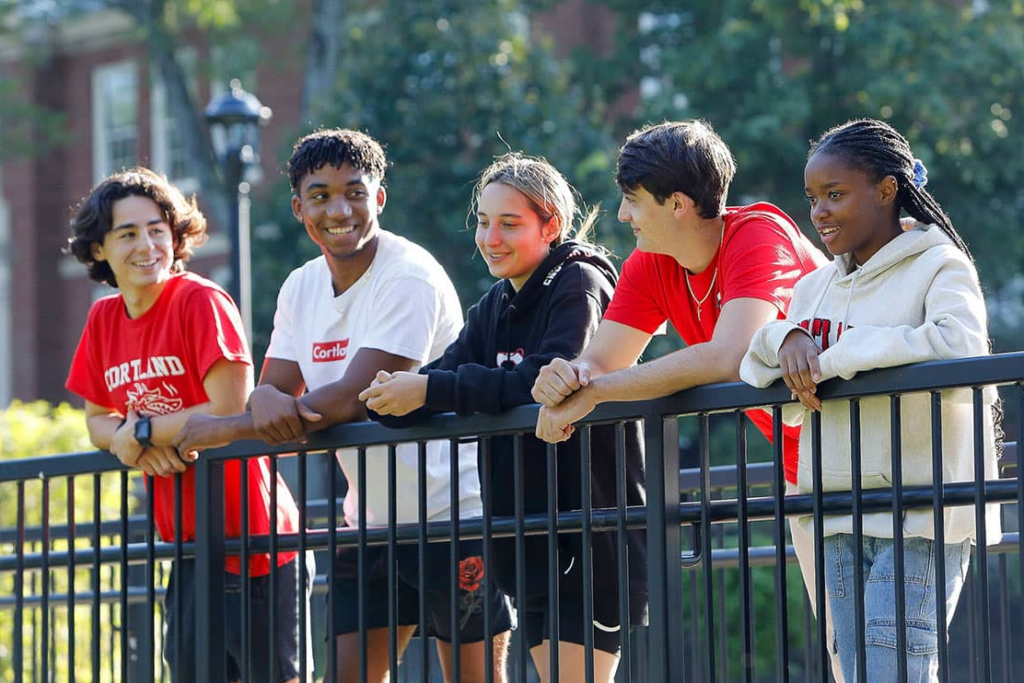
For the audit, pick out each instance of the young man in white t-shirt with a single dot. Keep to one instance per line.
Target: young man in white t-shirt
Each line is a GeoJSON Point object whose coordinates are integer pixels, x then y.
{"type": "Point", "coordinates": [372, 301]}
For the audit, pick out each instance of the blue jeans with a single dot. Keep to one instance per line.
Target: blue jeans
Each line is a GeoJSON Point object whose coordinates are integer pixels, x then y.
{"type": "Point", "coordinates": [880, 600]}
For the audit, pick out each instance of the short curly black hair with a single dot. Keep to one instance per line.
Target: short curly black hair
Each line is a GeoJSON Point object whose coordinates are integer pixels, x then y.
{"type": "Point", "coordinates": [335, 146]}
{"type": "Point", "coordinates": [94, 218]}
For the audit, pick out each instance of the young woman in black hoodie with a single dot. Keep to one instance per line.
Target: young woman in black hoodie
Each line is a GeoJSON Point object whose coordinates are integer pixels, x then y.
{"type": "Point", "coordinates": [552, 291]}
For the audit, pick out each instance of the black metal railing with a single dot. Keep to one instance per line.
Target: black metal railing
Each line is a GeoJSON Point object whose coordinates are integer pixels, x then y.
{"type": "Point", "coordinates": [81, 589]}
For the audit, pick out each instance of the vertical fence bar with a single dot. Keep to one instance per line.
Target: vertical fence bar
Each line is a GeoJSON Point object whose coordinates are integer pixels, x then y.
{"type": "Point", "coordinates": [332, 558]}
{"type": "Point", "coordinates": [1018, 391]}
{"type": "Point", "coordinates": [822, 660]}
{"type": "Point", "coordinates": [661, 436]}
{"type": "Point", "coordinates": [94, 579]}
{"type": "Point", "coordinates": [856, 459]}
{"type": "Point", "coordinates": [272, 616]}
{"type": "Point", "coordinates": [781, 606]}
{"type": "Point", "coordinates": [304, 577]}
{"type": "Point", "coordinates": [455, 573]}
{"type": "Point", "coordinates": [123, 577]}
{"type": "Point", "coordinates": [746, 603]}
{"type": "Point", "coordinates": [696, 633]}
{"type": "Point", "coordinates": [982, 629]}
{"type": "Point", "coordinates": [484, 460]}
{"type": "Point", "coordinates": [1004, 619]}
{"type": "Point", "coordinates": [44, 579]}
{"type": "Point", "coordinates": [392, 551]}
{"type": "Point", "coordinates": [706, 543]}
{"type": "Point", "coordinates": [179, 555]}
{"type": "Point", "coordinates": [209, 624]}
{"type": "Point", "coordinates": [553, 566]}
{"type": "Point", "coordinates": [518, 484]}
{"type": "Point", "coordinates": [622, 556]}
{"type": "Point", "coordinates": [421, 553]}
{"type": "Point", "coordinates": [896, 445]}
{"type": "Point", "coordinates": [150, 645]}
{"type": "Point", "coordinates": [71, 576]}
{"type": "Point", "coordinates": [588, 558]}
{"type": "Point", "coordinates": [364, 569]}
{"type": "Point", "coordinates": [938, 520]}
{"type": "Point", "coordinates": [19, 587]}
{"type": "Point", "coordinates": [722, 622]}
{"type": "Point", "coordinates": [245, 625]}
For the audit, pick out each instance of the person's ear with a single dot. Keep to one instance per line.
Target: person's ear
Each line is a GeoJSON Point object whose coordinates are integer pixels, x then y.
{"type": "Point", "coordinates": [382, 199]}
{"type": "Point", "coordinates": [888, 188]}
{"type": "Point", "coordinates": [96, 249]}
{"type": "Point", "coordinates": [551, 229]}
{"type": "Point", "coordinates": [681, 203]}
{"type": "Point", "coordinates": [297, 207]}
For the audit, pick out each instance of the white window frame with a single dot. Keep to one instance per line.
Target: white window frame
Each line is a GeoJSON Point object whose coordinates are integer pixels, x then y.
{"type": "Point", "coordinates": [160, 117]}
{"type": "Point", "coordinates": [102, 165]}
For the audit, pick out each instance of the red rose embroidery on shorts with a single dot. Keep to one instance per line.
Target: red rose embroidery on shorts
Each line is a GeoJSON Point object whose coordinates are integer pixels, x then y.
{"type": "Point", "coordinates": [471, 573]}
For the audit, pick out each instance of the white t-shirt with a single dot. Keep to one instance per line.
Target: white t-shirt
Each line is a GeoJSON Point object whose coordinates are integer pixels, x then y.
{"type": "Point", "coordinates": [404, 304]}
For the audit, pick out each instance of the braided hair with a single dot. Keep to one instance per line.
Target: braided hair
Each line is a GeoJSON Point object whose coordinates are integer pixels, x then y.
{"type": "Point", "coordinates": [880, 150]}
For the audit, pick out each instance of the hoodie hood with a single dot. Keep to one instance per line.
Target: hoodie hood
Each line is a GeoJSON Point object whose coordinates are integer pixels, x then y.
{"type": "Point", "coordinates": [913, 241]}
{"type": "Point", "coordinates": [553, 264]}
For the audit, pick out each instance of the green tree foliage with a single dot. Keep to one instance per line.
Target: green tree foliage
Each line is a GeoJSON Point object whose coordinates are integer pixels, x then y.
{"type": "Point", "coordinates": [446, 86]}
{"type": "Point", "coordinates": [771, 75]}
{"type": "Point", "coordinates": [30, 430]}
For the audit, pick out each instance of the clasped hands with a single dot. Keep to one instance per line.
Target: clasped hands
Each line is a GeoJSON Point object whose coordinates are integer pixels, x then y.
{"type": "Point", "coordinates": [156, 461]}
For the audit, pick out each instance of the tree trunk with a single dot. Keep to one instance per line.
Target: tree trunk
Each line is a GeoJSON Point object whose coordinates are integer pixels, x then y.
{"type": "Point", "coordinates": [187, 113]}
{"type": "Point", "coordinates": [321, 60]}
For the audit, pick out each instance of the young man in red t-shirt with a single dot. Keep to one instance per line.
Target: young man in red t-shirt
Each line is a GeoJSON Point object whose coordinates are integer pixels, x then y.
{"type": "Point", "coordinates": [717, 273]}
{"type": "Point", "coordinates": [170, 345]}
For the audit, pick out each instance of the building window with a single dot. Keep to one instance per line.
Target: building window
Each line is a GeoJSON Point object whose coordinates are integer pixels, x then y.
{"type": "Point", "coordinates": [115, 116]}
{"type": "Point", "coordinates": [170, 156]}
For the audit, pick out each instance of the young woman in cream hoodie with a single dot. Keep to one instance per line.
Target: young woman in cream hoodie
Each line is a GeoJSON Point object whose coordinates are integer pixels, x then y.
{"type": "Point", "coordinates": [895, 294]}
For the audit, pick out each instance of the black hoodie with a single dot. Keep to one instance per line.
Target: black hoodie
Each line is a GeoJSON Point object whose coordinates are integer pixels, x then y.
{"type": "Point", "coordinates": [509, 336]}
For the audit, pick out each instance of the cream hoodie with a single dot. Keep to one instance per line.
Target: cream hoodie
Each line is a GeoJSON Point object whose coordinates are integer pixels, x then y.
{"type": "Point", "coordinates": [917, 299]}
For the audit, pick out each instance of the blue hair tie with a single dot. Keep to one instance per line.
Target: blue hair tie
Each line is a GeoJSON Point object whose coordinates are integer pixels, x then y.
{"type": "Point", "coordinates": [920, 174]}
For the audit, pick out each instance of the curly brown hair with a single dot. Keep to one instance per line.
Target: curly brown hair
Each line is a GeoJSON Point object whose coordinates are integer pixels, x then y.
{"type": "Point", "coordinates": [94, 218]}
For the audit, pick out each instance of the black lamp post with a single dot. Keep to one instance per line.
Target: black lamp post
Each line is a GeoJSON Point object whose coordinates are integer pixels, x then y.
{"type": "Point", "coordinates": [235, 119]}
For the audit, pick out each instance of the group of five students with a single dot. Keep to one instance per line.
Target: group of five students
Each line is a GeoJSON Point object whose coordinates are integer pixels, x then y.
{"type": "Point", "coordinates": [373, 328]}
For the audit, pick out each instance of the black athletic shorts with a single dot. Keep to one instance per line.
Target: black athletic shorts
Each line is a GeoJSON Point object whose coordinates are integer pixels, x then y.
{"type": "Point", "coordinates": [475, 588]}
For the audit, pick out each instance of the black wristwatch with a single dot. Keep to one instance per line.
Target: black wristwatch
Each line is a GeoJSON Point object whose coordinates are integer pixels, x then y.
{"type": "Point", "coordinates": [144, 431]}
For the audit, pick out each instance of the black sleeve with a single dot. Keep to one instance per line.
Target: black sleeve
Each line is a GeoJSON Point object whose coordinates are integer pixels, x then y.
{"type": "Point", "coordinates": [461, 351]}
{"type": "Point", "coordinates": [571, 318]}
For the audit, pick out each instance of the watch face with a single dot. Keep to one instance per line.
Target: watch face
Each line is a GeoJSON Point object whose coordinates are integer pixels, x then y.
{"type": "Point", "coordinates": [143, 431]}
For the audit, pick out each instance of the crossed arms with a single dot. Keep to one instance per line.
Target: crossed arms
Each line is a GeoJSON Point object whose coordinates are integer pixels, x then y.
{"type": "Point", "coordinates": [568, 391]}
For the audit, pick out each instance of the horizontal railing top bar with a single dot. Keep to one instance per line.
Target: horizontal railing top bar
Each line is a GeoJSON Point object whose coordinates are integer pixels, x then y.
{"type": "Point", "coordinates": [966, 372]}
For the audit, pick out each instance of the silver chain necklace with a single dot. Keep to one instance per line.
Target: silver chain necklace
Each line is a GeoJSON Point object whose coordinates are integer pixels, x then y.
{"type": "Point", "coordinates": [714, 277]}
{"type": "Point", "coordinates": [711, 288]}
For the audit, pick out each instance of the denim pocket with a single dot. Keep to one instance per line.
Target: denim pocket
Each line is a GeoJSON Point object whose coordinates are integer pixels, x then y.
{"type": "Point", "coordinates": [921, 636]}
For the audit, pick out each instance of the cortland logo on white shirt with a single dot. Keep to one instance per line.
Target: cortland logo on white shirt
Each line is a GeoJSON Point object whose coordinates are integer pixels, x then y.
{"type": "Point", "coordinates": [326, 352]}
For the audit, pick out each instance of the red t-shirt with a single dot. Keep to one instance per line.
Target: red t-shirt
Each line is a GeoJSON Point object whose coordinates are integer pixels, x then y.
{"type": "Point", "coordinates": [762, 256]}
{"type": "Point", "coordinates": [156, 364]}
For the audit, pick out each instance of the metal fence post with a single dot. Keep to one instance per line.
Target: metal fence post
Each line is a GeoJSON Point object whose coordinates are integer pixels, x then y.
{"type": "Point", "coordinates": [661, 442]}
{"type": "Point", "coordinates": [209, 571]}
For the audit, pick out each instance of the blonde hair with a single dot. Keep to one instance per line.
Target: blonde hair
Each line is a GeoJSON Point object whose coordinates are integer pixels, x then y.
{"type": "Point", "coordinates": [550, 195]}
